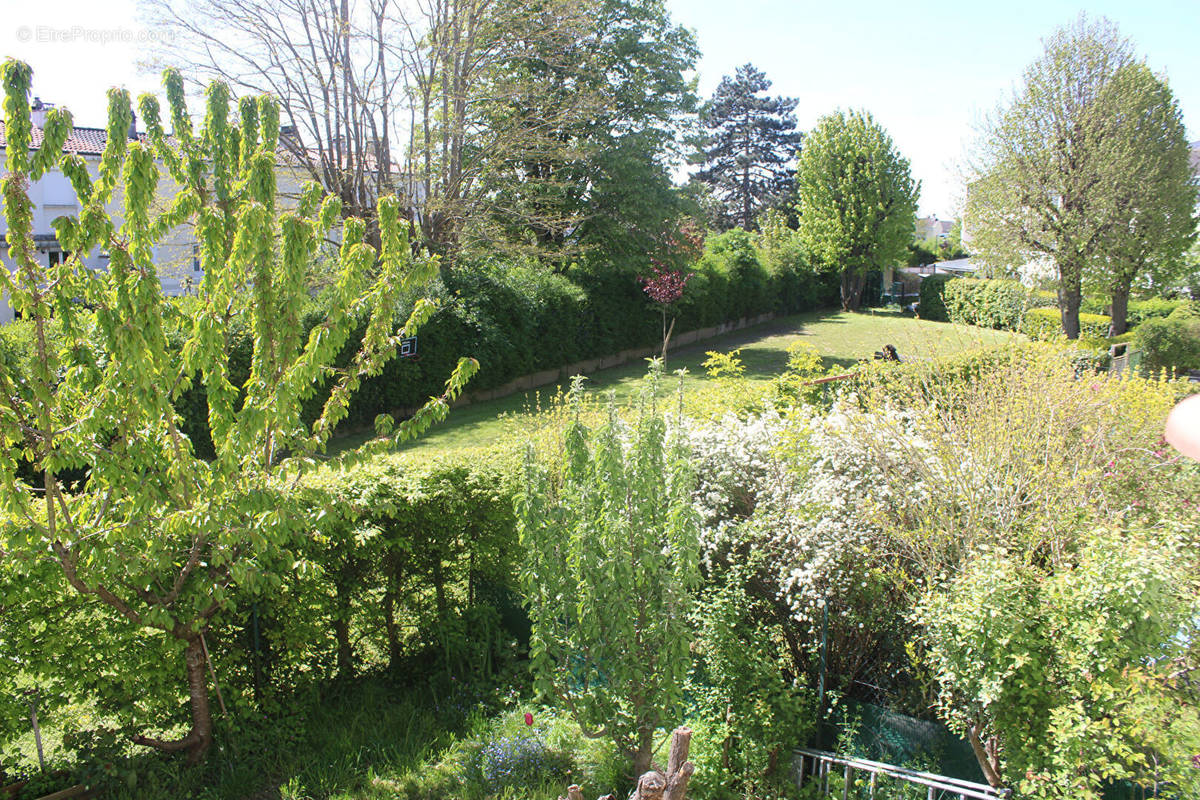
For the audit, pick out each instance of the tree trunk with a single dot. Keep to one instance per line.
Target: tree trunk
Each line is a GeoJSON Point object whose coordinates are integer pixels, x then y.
{"type": "Point", "coordinates": [673, 784]}
{"type": "Point", "coordinates": [1120, 310]}
{"type": "Point", "coordinates": [202, 726]}
{"type": "Point", "coordinates": [392, 630]}
{"type": "Point", "coordinates": [439, 590]}
{"type": "Point", "coordinates": [200, 737]}
{"type": "Point", "coordinates": [986, 756]}
{"type": "Point", "coordinates": [345, 654]}
{"type": "Point", "coordinates": [853, 281]}
{"type": "Point", "coordinates": [1070, 297]}
{"type": "Point", "coordinates": [644, 753]}
{"type": "Point", "coordinates": [746, 197]}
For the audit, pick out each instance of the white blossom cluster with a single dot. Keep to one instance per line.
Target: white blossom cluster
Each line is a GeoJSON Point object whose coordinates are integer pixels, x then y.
{"type": "Point", "coordinates": [804, 492]}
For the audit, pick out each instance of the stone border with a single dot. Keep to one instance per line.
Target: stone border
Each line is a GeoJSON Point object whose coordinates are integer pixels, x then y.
{"type": "Point", "coordinates": [548, 376]}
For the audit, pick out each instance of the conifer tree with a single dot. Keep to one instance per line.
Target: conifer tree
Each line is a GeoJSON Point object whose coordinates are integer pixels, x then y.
{"type": "Point", "coordinates": [753, 140]}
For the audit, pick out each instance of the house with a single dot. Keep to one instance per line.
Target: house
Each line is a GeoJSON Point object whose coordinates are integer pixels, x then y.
{"type": "Point", "coordinates": [932, 228]}
{"type": "Point", "coordinates": [176, 256]}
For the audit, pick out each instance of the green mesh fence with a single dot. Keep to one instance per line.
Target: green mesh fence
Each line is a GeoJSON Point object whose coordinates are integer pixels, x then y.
{"type": "Point", "coordinates": [878, 734]}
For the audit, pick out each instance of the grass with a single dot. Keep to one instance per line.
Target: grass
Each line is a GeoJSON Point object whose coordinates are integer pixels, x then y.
{"type": "Point", "coordinates": [376, 738]}
{"type": "Point", "coordinates": [841, 338]}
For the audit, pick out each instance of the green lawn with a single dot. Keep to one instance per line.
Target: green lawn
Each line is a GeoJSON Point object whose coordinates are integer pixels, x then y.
{"type": "Point", "coordinates": [841, 339]}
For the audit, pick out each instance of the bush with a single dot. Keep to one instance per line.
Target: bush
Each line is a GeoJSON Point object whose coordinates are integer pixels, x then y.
{"type": "Point", "coordinates": [381, 527]}
{"type": "Point", "coordinates": [1153, 308]}
{"type": "Point", "coordinates": [1045, 324]}
{"type": "Point", "coordinates": [1068, 662]}
{"type": "Point", "coordinates": [523, 761]}
{"type": "Point", "coordinates": [986, 303]}
{"type": "Point", "coordinates": [1042, 298]}
{"type": "Point", "coordinates": [1172, 344]}
{"type": "Point", "coordinates": [1186, 311]}
{"type": "Point", "coordinates": [932, 304]}
{"type": "Point", "coordinates": [795, 284]}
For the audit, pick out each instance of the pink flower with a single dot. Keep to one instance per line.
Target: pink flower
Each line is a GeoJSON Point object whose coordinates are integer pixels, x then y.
{"type": "Point", "coordinates": [528, 718]}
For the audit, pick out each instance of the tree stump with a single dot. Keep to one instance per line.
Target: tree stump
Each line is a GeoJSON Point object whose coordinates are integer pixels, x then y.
{"type": "Point", "coordinates": [656, 785]}
{"type": "Point", "coordinates": [672, 785]}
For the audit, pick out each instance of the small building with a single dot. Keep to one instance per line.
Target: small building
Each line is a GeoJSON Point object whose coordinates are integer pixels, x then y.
{"type": "Point", "coordinates": [176, 257]}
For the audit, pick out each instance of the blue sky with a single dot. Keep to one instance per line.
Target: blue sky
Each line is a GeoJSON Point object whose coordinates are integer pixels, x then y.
{"type": "Point", "coordinates": [927, 71]}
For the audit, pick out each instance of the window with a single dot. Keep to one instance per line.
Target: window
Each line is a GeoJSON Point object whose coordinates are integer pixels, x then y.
{"type": "Point", "coordinates": [195, 258]}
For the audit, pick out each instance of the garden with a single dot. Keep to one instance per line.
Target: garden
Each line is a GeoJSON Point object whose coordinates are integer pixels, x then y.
{"type": "Point", "coordinates": [236, 562]}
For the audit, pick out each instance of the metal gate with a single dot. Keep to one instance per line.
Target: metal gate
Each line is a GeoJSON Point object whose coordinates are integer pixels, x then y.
{"type": "Point", "coordinates": [857, 778]}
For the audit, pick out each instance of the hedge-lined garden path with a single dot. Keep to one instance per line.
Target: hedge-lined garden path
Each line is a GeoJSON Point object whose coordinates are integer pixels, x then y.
{"type": "Point", "coordinates": [841, 338]}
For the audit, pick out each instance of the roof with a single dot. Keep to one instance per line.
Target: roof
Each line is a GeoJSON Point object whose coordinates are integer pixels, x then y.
{"type": "Point", "coordinates": [85, 141]}
{"type": "Point", "coordinates": [954, 266]}
{"type": "Point", "coordinates": [90, 142]}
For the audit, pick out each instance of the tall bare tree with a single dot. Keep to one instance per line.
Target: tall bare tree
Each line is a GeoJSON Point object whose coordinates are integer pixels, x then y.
{"type": "Point", "coordinates": [419, 98]}
{"type": "Point", "coordinates": [337, 68]}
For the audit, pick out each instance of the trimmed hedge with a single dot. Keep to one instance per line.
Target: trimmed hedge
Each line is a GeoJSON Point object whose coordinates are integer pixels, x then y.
{"type": "Point", "coordinates": [1171, 343]}
{"type": "Point", "coordinates": [987, 303]}
{"type": "Point", "coordinates": [517, 319]}
{"type": "Point", "coordinates": [932, 303]}
{"type": "Point", "coordinates": [1045, 324]}
{"type": "Point", "coordinates": [1041, 298]}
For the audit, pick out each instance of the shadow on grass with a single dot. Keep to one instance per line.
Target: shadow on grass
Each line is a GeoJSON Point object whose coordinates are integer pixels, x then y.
{"type": "Point", "coordinates": [342, 740]}
{"type": "Point", "coordinates": [840, 338]}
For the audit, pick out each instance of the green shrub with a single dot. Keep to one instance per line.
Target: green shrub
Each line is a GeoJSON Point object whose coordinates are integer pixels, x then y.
{"type": "Point", "coordinates": [1172, 344]}
{"type": "Point", "coordinates": [932, 304]}
{"type": "Point", "coordinates": [1045, 324]}
{"type": "Point", "coordinates": [795, 284]}
{"type": "Point", "coordinates": [1042, 298]}
{"type": "Point", "coordinates": [738, 283]}
{"type": "Point", "coordinates": [987, 303]}
{"type": "Point", "coordinates": [409, 554]}
{"type": "Point", "coordinates": [1094, 326]}
{"type": "Point", "coordinates": [1186, 311]}
{"type": "Point", "coordinates": [1093, 305]}
{"type": "Point", "coordinates": [1152, 308]}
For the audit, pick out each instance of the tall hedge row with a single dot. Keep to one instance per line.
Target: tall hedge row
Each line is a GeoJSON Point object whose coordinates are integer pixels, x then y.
{"type": "Point", "coordinates": [1045, 324]}
{"type": "Point", "coordinates": [518, 319]}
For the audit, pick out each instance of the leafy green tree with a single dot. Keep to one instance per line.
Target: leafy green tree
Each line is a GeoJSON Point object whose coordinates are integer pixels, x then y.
{"type": "Point", "coordinates": [753, 712]}
{"type": "Point", "coordinates": [1069, 677]}
{"type": "Point", "coordinates": [856, 199]}
{"type": "Point", "coordinates": [611, 193]}
{"type": "Point", "coordinates": [752, 142]}
{"type": "Point", "coordinates": [1152, 214]}
{"type": "Point", "coordinates": [612, 561]}
{"type": "Point", "coordinates": [1082, 168]}
{"type": "Point", "coordinates": [154, 542]}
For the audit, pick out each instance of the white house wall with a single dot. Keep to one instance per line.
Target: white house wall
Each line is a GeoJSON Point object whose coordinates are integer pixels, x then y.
{"type": "Point", "coordinates": [174, 256]}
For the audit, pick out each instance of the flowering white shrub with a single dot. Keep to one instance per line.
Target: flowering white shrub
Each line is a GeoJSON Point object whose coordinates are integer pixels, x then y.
{"type": "Point", "coordinates": [804, 491]}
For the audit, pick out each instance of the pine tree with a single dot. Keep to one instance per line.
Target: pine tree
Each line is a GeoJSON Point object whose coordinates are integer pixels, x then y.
{"type": "Point", "coordinates": [752, 142]}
